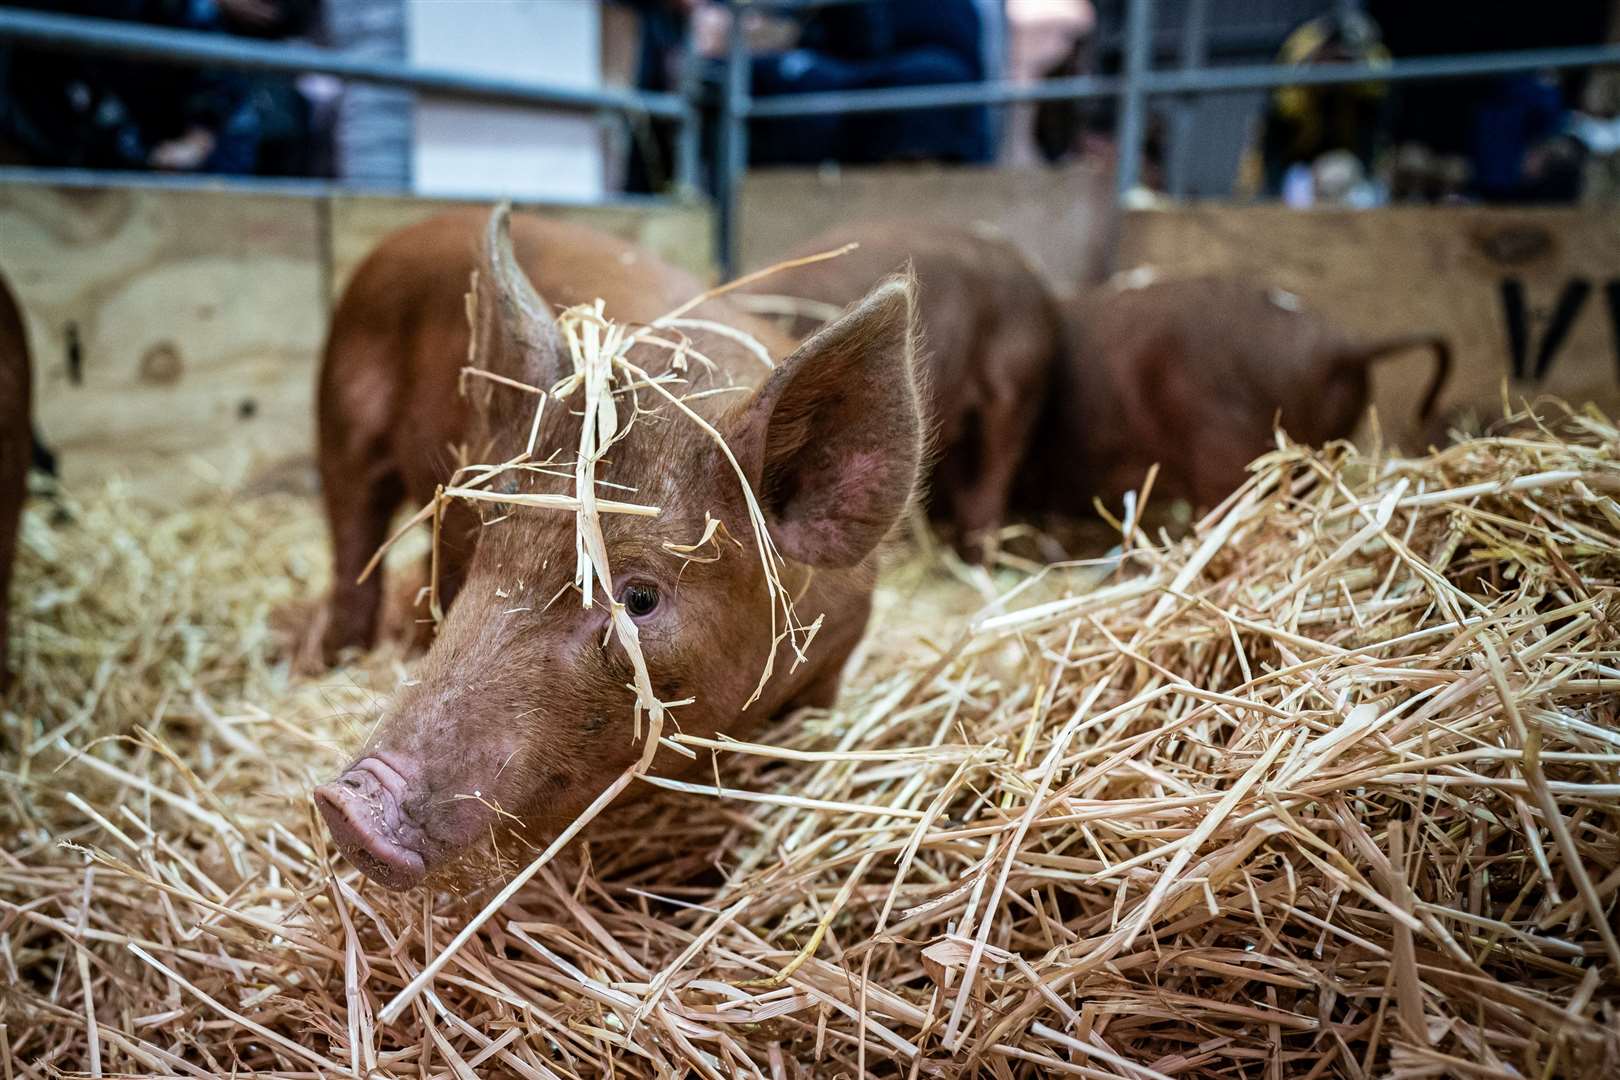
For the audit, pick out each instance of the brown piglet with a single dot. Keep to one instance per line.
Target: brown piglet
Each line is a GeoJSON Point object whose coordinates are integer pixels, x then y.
{"type": "Point", "coordinates": [520, 714]}
{"type": "Point", "coordinates": [16, 451]}
{"type": "Point", "coordinates": [990, 335]}
{"type": "Point", "coordinates": [1194, 375]}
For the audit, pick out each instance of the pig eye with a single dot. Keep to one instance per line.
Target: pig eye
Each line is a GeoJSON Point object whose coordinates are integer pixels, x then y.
{"type": "Point", "coordinates": [640, 598]}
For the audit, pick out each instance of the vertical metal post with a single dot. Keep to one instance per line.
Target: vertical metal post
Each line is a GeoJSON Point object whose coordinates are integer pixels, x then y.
{"type": "Point", "coordinates": [689, 128]}
{"type": "Point", "coordinates": [733, 163]}
{"type": "Point", "coordinates": [1133, 101]}
{"type": "Point", "coordinates": [1194, 54]}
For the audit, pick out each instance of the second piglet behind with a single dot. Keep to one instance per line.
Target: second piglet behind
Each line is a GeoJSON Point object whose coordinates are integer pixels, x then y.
{"type": "Point", "coordinates": [990, 334]}
{"type": "Point", "coordinates": [1194, 375]}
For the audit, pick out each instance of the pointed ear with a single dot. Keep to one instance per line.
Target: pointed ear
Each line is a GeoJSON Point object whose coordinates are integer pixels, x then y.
{"type": "Point", "coordinates": [832, 441]}
{"type": "Point", "coordinates": [514, 335]}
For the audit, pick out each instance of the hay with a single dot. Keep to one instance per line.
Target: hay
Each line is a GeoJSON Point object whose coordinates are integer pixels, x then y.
{"type": "Point", "coordinates": [1329, 788]}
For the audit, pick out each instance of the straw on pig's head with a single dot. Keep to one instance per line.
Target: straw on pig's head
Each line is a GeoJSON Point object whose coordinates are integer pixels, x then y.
{"type": "Point", "coordinates": [524, 710]}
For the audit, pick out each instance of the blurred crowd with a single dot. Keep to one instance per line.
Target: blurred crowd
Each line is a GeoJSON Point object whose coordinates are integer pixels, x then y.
{"type": "Point", "coordinates": [1539, 136]}
{"type": "Point", "coordinates": [95, 112]}
{"type": "Point", "coordinates": [1533, 137]}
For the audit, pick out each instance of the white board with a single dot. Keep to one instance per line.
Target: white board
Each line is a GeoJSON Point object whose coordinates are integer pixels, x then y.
{"type": "Point", "coordinates": [465, 149]}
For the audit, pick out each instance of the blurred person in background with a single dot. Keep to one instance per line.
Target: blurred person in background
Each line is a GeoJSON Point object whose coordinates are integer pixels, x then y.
{"type": "Point", "coordinates": [73, 110]}
{"type": "Point", "coordinates": [645, 46]}
{"type": "Point", "coordinates": [1522, 149]}
{"type": "Point", "coordinates": [1320, 142]}
{"type": "Point", "coordinates": [1597, 126]}
{"type": "Point", "coordinates": [1046, 39]}
{"type": "Point", "coordinates": [1504, 138]}
{"type": "Point", "coordinates": [1069, 129]}
{"type": "Point", "coordinates": [370, 126]}
{"type": "Point", "coordinates": [868, 46]}
{"type": "Point", "coordinates": [293, 113]}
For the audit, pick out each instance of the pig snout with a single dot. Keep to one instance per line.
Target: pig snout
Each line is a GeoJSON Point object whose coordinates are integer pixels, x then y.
{"type": "Point", "coordinates": [375, 812]}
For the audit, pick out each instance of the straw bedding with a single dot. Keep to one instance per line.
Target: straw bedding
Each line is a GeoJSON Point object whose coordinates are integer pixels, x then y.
{"type": "Point", "coordinates": [1330, 787]}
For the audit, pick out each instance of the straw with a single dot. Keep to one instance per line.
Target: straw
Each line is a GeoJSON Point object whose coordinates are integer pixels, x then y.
{"type": "Point", "coordinates": [1328, 787]}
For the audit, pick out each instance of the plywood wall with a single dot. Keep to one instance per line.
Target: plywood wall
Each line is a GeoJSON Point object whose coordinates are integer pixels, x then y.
{"type": "Point", "coordinates": [1063, 218]}
{"type": "Point", "coordinates": [175, 333]}
{"type": "Point", "coordinates": [1443, 268]}
{"type": "Point", "coordinates": [197, 316]}
{"type": "Point", "coordinates": [680, 234]}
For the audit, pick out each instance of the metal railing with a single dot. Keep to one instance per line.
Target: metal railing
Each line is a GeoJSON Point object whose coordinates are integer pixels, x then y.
{"type": "Point", "coordinates": [1138, 83]}
{"type": "Point", "coordinates": [70, 33]}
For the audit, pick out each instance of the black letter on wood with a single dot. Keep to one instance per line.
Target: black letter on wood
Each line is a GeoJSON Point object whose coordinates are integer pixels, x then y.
{"type": "Point", "coordinates": [1569, 305]}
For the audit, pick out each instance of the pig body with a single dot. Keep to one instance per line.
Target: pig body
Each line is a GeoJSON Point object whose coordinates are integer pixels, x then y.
{"type": "Point", "coordinates": [519, 716]}
{"type": "Point", "coordinates": [16, 451]}
{"type": "Point", "coordinates": [1193, 375]}
{"type": "Point", "coordinates": [990, 335]}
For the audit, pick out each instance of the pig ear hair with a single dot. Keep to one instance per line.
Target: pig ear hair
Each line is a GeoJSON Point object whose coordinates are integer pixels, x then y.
{"type": "Point", "coordinates": [833, 439]}
{"type": "Point", "coordinates": [513, 332]}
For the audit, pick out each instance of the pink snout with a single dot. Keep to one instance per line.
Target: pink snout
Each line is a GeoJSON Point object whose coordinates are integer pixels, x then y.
{"type": "Point", "coordinates": [364, 810]}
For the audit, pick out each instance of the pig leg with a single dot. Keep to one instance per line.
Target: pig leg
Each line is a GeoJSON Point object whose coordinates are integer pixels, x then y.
{"type": "Point", "coordinates": [1001, 430]}
{"type": "Point", "coordinates": [358, 518]}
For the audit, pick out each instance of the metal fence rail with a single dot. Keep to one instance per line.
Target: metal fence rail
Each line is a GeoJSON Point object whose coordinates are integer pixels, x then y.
{"type": "Point", "coordinates": [78, 34]}
{"type": "Point", "coordinates": [1138, 83]}
{"type": "Point", "coordinates": [71, 33]}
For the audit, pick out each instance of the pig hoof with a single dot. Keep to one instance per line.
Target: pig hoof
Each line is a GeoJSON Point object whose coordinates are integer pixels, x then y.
{"type": "Point", "coordinates": [336, 648]}
{"type": "Point", "coordinates": [363, 813]}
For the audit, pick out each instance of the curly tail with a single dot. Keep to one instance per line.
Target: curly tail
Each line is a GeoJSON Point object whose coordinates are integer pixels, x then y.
{"type": "Point", "coordinates": [1368, 353]}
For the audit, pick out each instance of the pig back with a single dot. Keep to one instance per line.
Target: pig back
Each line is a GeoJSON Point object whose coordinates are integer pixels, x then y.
{"type": "Point", "coordinates": [568, 264]}
{"type": "Point", "coordinates": [1227, 358]}
{"type": "Point", "coordinates": [984, 313]}
{"type": "Point", "coordinates": [400, 335]}
{"type": "Point", "coordinates": [1187, 374]}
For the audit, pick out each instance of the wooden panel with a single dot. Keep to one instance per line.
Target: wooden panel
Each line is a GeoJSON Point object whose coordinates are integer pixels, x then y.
{"type": "Point", "coordinates": [199, 318]}
{"type": "Point", "coordinates": [679, 234]}
{"type": "Point", "coordinates": [1062, 218]}
{"type": "Point", "coordinates": [1442, 268]}
{"type": "Point", "coordinates": [196, 316]}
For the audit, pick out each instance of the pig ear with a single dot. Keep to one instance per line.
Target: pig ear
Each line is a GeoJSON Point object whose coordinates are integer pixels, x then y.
{"type": "Point", "coordinates": [514, 334]}
{"type": "Point", "coordinates": [831, 442]}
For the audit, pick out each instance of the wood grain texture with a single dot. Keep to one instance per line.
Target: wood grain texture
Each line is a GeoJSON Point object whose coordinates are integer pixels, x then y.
{"type": "Point", "coordinates": [199, 315]}
{"type": "Point", "coordinates": [196, 316]}
{"type": "Point", "coordinates": [1063, 218]}
{"type": "Point", "coordinates": [199, 318]}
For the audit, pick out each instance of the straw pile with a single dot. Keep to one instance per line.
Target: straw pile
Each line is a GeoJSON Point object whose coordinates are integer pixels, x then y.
{"type": "Point", "coordinates": [1329, 788]}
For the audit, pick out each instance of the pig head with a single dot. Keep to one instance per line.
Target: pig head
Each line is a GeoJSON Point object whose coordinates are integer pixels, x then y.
{"type": "Point", "coordinates": [16, 451]}
{"type": "Point", "coordinates": [1194, 376]}
{"type": "Point", "coordinates": [521, 713]}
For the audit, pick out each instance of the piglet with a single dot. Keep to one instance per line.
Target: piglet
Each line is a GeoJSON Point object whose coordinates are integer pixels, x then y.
{"type": "Point", "coordinates": [1194, 375]}
{"type": "Point", "coordinates": [16, 451]}
{"type": "Point", "coordinates": [520, 714]}
{"type": "Point", "coordinates": [990, 335]}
